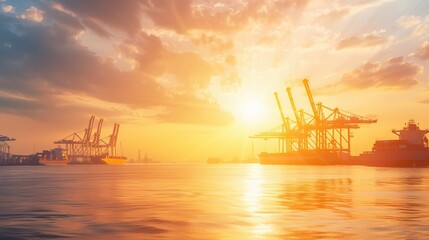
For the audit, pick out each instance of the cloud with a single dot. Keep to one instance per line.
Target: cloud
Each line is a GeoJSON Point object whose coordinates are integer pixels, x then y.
{"type": "Point", "coordinates": [32, 14]}
{"type": "Point", "coordinates": [394, 73]}
{"type": "Point", "coordinates": [188, 109]}
{"type": "Point", "coordinates": [332, 14]}
{"type": "Point", "coordinates": [151, 57]}
{"type": "Point", "coordinates": [99, 15]}
{"type": "Point", "coordinates": [421, 26]}
{"type": "Point", "coordinates": [421, 29]}
{"type": "Point", "coordinates": [423, 52]}
{"type": "Point", "coordinates": [180, 16]}
{"type": "Point", "coordinates": [8, 8]}
{"type": "Point", "coordinates": [169, 13]}
{"type": "Point", "coordinates": [338, 10]}
{"type": "Point", "coordinates": [46, 62]}
{"type": "Point", "coordinates": [214, 42]}
{"type": "Point", "coordinates": [371, 39]}
{"type": "Point", "coordinates": [408, 21]}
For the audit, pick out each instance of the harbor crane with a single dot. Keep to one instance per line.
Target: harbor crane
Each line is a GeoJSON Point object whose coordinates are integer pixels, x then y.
{"type": "Point", "coordinates": [326, 128]}
{"type": "Point", "coordinates": [4, 147]}
{"type": "Point", "coordinates": [83, 146]}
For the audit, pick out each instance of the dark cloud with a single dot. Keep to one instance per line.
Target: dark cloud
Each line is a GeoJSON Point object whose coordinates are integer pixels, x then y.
{"type": "Point", "coordinates": [49, 109]}
{"type": "Point", "coordinates": [97, 14]}
{"type": "Point", "coordinates": [45, 61]}
{"type": "Point", "coordinates": [18, 106]}
{"type": "Point", "coordinates": [394, 73]}
{"type": "Point", "coordinates": [367, 40]}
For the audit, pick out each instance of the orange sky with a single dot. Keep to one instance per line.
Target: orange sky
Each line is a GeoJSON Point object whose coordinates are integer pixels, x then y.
{"type": "Point", "coordinates": [193, 79]}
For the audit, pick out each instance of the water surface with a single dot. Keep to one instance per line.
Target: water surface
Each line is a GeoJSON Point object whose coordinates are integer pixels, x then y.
{"type": "Point", "coordinates": [230, 201]}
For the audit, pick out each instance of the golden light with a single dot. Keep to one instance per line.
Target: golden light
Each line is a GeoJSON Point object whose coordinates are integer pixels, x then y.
{"type": "Point", "coordinates": [252, 111]}
{"type": "Point", "coordinates": [252, 203]}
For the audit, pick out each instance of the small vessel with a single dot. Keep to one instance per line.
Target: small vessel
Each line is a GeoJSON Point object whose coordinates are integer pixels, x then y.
{"type": "Point", "coordinates": [54, 157]}
{"type": "Point", "coordinates": [410, 150]}
{"type": "Point", "coordinates": [114, 160]}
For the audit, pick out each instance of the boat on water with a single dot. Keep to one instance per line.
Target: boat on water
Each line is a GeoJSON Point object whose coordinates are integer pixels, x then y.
{"type": "Point", "coordinates": [410, 150]}
{"type": "Point", "coordinates": [114, 160]}
{"type": "Point", "coordinates": [54, 157]}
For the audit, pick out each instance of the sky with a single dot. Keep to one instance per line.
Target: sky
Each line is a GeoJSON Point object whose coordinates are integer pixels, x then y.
{"type": "Point", "coordinates": [188, 80]}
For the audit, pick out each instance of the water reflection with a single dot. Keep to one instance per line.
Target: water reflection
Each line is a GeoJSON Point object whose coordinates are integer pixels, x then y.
{"type": "Point", "coordinates": [252, 194]}
{"type": "Point", "coordinates": [214, 202]}
{"type": "Point", "coordinates": [403, 197]}
{"type": "Point", "coordinates": [331, 194]}
{"type": "Point", "coordinates": [252, 202]}
{"type": "Point", "coordinates": [309, 202]}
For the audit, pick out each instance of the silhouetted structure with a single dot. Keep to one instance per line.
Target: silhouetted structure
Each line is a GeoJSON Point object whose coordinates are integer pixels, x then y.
{"type": "Point", "coordinates": [83, 147]}
{"type": "Point", "coordinates": [410, 150]}
{"type": "Point", "coordinates": [320, 137]}
{"type": "Point", "coordinates": [4, 147]}
{"type": "Point", "coordinates": [6, 158]}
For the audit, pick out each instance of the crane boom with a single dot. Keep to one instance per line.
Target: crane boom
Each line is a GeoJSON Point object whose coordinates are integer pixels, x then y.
{"type": "Point", "coordinates": [280, 109]}
{"type": "Point", "coordinates": [98, 133]}
{"type": "Point", "coordinates": [88, 131]}
{"type": "Point", "coordinates": [292, 102]}
{"type": "Point", "coordinates": [310, 98]}
{"type": "Point", "coordinates": [116, 135]}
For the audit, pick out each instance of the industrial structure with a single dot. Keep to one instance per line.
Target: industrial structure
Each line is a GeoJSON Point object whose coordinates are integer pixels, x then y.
{"type": "Point", "coordinates": [323, 132]}
{"type": "Point", "coordinates": [6, 158]}
{"type": "Point", "coordinates": [4, 146]}
{"type": "Point", "coordinates": [5, 149]}
{"type": "Point", "coordinates": [85, 147]}
{"type": "Point", "coordinates": [409, 150]}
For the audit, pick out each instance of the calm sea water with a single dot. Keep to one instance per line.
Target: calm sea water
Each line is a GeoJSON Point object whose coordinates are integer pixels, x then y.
{"type": "Point", "coordinates": [245, 201]}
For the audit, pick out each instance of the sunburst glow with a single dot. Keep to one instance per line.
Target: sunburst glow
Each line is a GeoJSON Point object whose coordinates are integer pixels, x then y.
{"type": "Point", "coordinates": [252, 111]}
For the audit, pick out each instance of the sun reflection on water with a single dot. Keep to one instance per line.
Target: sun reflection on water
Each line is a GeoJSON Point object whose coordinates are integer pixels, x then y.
{"type": "Point", "coordinates": [253, 201]}
{"type": "Point", "coordinates": [253, 190]}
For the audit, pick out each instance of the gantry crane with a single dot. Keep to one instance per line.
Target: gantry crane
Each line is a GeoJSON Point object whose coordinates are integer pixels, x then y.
{"type": "Point", "coordinates": [326, 129]}
{"type": "Point", "coordinates": [5, 148]}
{"type": "Point", "coordinates": [83, 146]}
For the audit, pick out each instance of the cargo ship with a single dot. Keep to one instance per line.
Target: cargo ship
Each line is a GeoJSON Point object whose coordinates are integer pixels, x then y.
{"type": "Point", "coordinates": [410, 150]}
{"type": "Point", "coordinates": [54, 157]}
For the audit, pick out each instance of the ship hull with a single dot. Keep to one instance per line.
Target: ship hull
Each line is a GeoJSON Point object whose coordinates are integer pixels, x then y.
{"type": "Point", "coordinates": [53, 162]}
{"type": "Point", "coordinates": [300, 158]}
{"type": "Point", "coordinates": [394, 158]}
{"type": "Point", "coordinates": [114, 161]}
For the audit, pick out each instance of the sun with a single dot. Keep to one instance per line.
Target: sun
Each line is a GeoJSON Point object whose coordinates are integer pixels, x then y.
{"type": "Point", "coordinates": [251, 111]}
